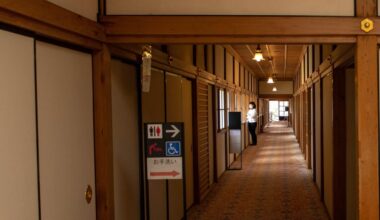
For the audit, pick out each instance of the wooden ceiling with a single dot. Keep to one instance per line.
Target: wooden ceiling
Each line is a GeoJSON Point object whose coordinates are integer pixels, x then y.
{"type": "Point", "coordinates": [280, 60]}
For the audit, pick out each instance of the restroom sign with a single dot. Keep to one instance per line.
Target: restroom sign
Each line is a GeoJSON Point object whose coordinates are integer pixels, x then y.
{"type": "Point", "coordinates": [163, 150]}
{"type": "Point", "coordinates": [154, 131]}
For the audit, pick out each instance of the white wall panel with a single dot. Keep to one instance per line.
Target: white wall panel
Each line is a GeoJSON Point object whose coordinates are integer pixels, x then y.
{"type": "Point", "coordinates": [219, 61]}
{"type": "Point", "coordinates": [318, 137]}
{"type": "Point", "coordinates": [126, 149]}
{"type": "Point", "coordinates": [86, 8]}
{"type": "Point", "coordinates": [182, 52]}
{"type": "Point", "coordinates": [229, 7]}
{"type": "Point", "coordinates": [283, 87]}
{"type": "Point", "coordinates": [18, 150]}
{"type": "Point", "coordinates": [221, 153]}
{"type": "Point", "coordinates": [229, 67]}
{"type": "Point", "coordinates": [66, 139]}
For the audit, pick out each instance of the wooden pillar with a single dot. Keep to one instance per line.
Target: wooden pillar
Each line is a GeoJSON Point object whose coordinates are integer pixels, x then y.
{"type": "Point", "coordinates": [366, 8]}
{"type": "Point", "coordinates": [366, 78]}
{"type": "Point", "coordinates": [367, 126]}
{"type": "Point", "coordinates": [103, 134]}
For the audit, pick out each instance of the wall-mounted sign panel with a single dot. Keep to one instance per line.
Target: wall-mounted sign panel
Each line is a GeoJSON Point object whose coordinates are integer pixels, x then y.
{"type": "Point", "coordinates": [164, 152]}
{"type": "Point", "coordinates": [230, 7]}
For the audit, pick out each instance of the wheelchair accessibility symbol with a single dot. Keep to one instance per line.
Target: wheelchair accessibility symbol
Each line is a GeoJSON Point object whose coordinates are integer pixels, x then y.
{"type": "Point", "coordinates": [173, 148]}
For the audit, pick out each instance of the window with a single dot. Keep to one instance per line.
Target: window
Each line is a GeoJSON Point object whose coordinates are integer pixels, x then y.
{"type": "Point", "coordinates": [284, 108]}
{"type": "Point", "coordinates": [221, 109]}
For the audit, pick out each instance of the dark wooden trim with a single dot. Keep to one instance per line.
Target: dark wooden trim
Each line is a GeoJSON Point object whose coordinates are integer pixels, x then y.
{"type": "Point", "coordinates": [102, 10]}
{"type": "Point", "coordinates": [103, 134]}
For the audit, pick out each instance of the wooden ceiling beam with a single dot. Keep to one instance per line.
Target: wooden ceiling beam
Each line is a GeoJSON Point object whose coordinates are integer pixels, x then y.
{"type": "Point", "coordinates": [234, 29]}
{"type": "Point", "coordinates": [46, 13]}
{"type": "Point", "coordinates": [129, 39]}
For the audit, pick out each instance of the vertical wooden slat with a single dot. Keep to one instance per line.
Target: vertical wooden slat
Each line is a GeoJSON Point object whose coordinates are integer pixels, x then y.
{"type": "Point", "coordinates": [202, 185]}
{"type": "Point", "coordinates": [367, 126]}
{"type": "Point", "coordinates": [103, 134]}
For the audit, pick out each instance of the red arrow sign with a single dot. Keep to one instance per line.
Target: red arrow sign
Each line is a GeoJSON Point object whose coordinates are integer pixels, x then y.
{"type": "Point", "coordinates": [172, 173]}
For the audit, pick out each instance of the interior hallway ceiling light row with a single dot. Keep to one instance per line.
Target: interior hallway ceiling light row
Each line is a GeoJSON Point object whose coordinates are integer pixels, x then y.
{"type": "Point", "coordinates": [280, 61]}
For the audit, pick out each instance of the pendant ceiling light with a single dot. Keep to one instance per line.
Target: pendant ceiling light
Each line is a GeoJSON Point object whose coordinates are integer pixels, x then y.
{"type": "Point", "coordinates": [274, 89]}
{"type": "Point", "coordinates": [270, 80]}
{"type": "Point", "coordinates": [258, 55]}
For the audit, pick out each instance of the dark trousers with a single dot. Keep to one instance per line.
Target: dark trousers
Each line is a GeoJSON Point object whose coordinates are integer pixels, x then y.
{"type": "Point", "coordinates": [252, 131]}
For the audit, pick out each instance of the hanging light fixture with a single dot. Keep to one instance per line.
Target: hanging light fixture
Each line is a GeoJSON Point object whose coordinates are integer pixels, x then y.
{"type": "Point", "coordinates": [270, 80]}
{"type": "Point", "coordinates": [258, 54]}
{"type": "Point", "coordinates": [274, 89]}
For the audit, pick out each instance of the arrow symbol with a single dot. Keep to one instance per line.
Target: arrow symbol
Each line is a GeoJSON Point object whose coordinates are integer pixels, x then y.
{"type": "Point", "coordinates": [172, 173]}
{"type": "Point", "coordinates": [175, 131]}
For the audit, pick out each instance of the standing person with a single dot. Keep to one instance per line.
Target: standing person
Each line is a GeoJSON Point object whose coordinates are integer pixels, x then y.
{"type": "Point", "coordinates": [252, 121]}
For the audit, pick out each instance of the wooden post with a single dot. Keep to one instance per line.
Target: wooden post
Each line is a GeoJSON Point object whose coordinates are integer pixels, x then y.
{"type": "Point", "coordinates": [103, 134]}
{"type": "Point", "coordinates": [366, 8]}
{"type": "Point", "coordinates": [367, 126]}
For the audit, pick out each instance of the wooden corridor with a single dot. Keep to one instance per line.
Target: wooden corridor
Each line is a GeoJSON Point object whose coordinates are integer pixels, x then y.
{"type": "Point", "coordinates": [274, 184]}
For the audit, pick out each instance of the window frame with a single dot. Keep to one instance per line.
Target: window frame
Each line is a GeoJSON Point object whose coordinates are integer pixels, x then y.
{"type": "Point", "coordinates": [221, 109]}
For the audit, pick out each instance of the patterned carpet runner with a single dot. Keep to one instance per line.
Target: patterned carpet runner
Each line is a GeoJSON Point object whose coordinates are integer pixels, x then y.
{"type": "Point", "coordinates": [274, 184]}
